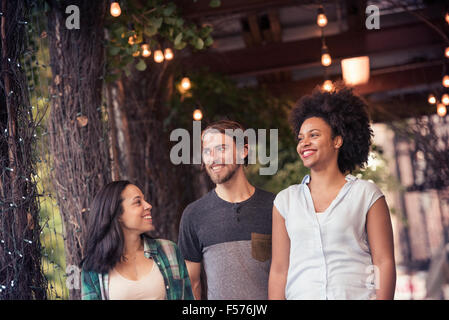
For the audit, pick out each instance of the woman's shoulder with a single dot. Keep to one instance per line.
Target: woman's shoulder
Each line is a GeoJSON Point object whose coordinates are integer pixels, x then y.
{"type": "Point", "coordinates": [166, 242]}
{"type": "Point", "coordinates": [290, 190]}
{"type": "Point", "coordinates": [168, 247]}
{"type": "Point", "coordinates": [367, 187]}
{"type": "Point", "coordinates": [158, 241]}
{"type": "Point", "coordinates": [366, 184]}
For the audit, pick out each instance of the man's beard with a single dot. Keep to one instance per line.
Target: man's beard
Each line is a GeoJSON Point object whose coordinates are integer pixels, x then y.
{"type": "Point", "coordinates": [225, 178]}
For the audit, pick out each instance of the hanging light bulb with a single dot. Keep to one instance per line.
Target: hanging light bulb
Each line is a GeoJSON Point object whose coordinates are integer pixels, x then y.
{"type": "Point", "coordinates": [446, 52]}
{"type": "Point", "coordinates": [446, 81]}
{"type": "Point", "coordinates": [146, 52]}
{"type": "Point", "coordinates": [432, 99]}
{"type": "Point", "coordinates": [325, 57]}
{"type": "Point", "coordinates": [445, 99]}
{"type": "Point", "coordinates": [115, 9]}
{"type": "Point", "coordinates": [197, 115]}
{"type": "Point", "coordinates": [158, 56]}
{"type": "Point", "coordinates": [168, 54]}
{"type": "Point", "coordinates": [185, 83]}
{"type": "Point", "coordinates": [355, 70]}
{"type": "Point", "coordinates": [441, 110]}
{"type": "Point", "coordinates": [446, 17]}
{"type": "Point", "coordinates": [328, 86]}
{"type": "Point", "coordinates": [321, 19]}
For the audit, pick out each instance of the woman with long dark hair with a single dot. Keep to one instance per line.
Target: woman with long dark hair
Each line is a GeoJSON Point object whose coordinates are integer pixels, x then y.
{"type": "Point", "coordinates": [121, 261]}
{"type": "Point", "coordinates": [332, 234]}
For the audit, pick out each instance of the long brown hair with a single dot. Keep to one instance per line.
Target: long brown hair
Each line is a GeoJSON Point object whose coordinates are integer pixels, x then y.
{"type": "Point", "coordinates": [105, 239]}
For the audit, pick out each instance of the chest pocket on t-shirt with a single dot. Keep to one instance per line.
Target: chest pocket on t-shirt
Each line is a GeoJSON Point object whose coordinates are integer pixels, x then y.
{"type": "Point", "coordinates": [260, 246]}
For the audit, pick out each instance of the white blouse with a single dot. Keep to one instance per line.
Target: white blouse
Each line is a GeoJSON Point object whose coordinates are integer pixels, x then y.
{"type": "Point", "coordinates": [329, 253]}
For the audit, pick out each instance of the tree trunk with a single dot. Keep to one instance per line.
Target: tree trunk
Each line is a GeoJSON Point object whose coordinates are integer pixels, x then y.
{"type": "Point", "coordinates": [77, 131]}
{"type": "Point", "coordinates": [140, 104]}
{"type": "Point", "coordinates": [21, 276]}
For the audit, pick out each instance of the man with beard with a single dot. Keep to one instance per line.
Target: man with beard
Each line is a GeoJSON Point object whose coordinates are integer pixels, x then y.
{"type": "Point", "coordinates": [228, 231]}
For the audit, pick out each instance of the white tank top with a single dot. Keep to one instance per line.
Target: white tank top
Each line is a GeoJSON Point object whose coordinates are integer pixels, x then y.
{"type": "Point", "coordinates": [150, 287]}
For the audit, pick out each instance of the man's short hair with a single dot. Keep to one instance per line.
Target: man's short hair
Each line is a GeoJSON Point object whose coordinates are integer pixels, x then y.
{"type": "Point", "coordinates": [223, 125]}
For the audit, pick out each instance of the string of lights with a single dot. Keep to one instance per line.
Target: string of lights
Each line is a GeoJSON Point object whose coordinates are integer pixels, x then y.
{"type": "Point", "coordinates": [21, 275]}
{"type": "Point", "coordinates": [146, 46]}
{"type": "Point", "coordinates": [326, 59]}
{"type": "Point", "coordinates": [442, 103]}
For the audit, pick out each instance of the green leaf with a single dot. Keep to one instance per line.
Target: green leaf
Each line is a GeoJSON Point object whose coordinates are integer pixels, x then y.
{"type": "Point", "coordinates": [189, 33]}
{"type": "Point", "coordinates": [141, 65]}
{"type": "Point", "coordinates": [178, 39]}
{"type": "Point", "coordinates": [208, 42]}
{"type": "Point", "coordinates": [179, 22]}
{"type": "Point", "coordinates": [113, 51]}
{"type": "Point", "coordinates": [214, 3]}
{"type": "Point", "coordinates": [169, 20]}
{"type": "Point", "coordinates": [205, 31]}
{"type": "Point", "coordinates": [151, 31]}
{"type": "Point", "coordinates": [180, 45]}
{"type": "Point", "coordinates": [156, 22]}
{"type": "Point", "coordinates": [199, 43]}
{"type": "Point", "coordinates": [169, 9]}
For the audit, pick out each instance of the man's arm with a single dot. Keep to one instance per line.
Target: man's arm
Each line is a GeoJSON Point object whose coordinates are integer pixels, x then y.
{"type": "Point", "coordinates": [194, 269]}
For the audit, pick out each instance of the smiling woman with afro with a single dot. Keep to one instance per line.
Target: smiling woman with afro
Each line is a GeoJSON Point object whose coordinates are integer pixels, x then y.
{"type": "Point", "coordinates": [332, 234]}
{"type": "Point", "coordinates": [347, 116]}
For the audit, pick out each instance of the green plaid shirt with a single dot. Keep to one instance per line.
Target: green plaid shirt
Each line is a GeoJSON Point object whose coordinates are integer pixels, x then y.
{"type": "Point", "coordinates": [165, 253]}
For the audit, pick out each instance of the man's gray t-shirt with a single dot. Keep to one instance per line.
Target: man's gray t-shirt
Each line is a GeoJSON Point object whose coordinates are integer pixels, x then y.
{"type": "Point", "coordinates": [233, 241]}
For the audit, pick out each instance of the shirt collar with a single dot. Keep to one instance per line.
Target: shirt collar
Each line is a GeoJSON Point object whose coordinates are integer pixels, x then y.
{"type": "Point", "coordinates": [149, 246]}
{"type": "Point", "coordinates": [349, 177]}
{"type": "Point", "coordinates": [306, 179]}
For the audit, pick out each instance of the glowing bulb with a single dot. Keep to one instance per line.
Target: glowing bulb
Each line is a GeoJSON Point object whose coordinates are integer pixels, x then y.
{"type": "Point", "coordinates": [326, 59]}
{"type": "Point", "coordinates": [355, 70]}
{"type": "Point", "coordinates": [146, 52]}
{"type": "Point", "coordinates": [321, 19]}
{"type": "Point", "coordinates": [328, 86]}
{"type": "Point", "coordinates": [446, 81]}
{"type": "Point", "coordinates": [131, 39]}
{"type": "Point", "coordinates": [185, 83]}
{"type": "Point", "coordinates": [445, 99]}
{"type": "Point", "coordinates": [441, 110]}
{"type": "Point", "coordinates": [158, 56]}
{"type": "Point", "coordinates": [447, 17]}
{"type": "Point", "coordinates": [136, 54]}
{"type": "Point", "coordinates": [446, 52]}
{"type": "Point", "coordinates": [432, 99]}
{"type": "Point", "coordinates": [197, 115]}
{"type": "Point", "coordinates": [115, 9]}
{"type": "Point", "coordinates": [168, 54]}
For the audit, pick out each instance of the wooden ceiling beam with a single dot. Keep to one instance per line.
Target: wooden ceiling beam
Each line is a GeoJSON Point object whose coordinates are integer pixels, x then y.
{"type": "Point", "coordinates": [201, 8]}
{"type": "Point", "coordinates": [283, 56]}
{"type": "Point", "coordinates": [382, 80]}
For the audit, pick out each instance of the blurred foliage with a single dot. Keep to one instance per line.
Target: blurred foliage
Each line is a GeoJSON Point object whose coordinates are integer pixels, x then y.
{"type": "Point", "coordinates": [35, 62]}
{"type": "Point", "coordinates": [219, 97]}
{"type": "Point", "coordinates": [157, 23]}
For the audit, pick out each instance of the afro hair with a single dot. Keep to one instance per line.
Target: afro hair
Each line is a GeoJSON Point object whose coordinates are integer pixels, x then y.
{"type": "Point", "coordinates": [347, 116]}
